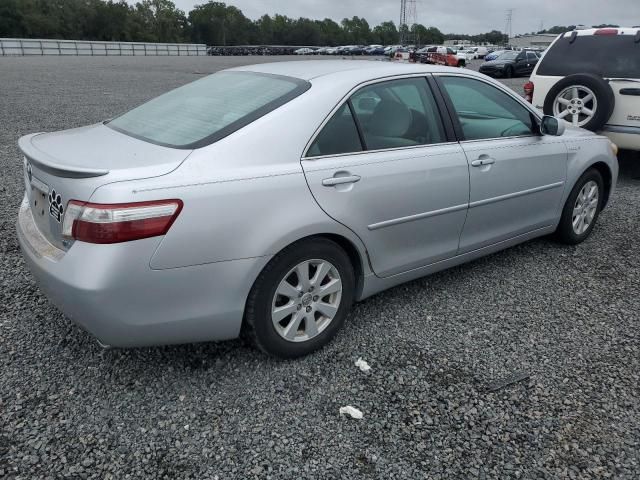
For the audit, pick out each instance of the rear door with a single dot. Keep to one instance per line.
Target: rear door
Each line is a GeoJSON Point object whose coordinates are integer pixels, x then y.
{"type": "Point", "coordinates": [517, 177]}
{"type": "Point", "coordinates": [385, 166]}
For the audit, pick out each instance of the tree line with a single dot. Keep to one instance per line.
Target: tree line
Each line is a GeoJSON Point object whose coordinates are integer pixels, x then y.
{"type": "Point", "coordinates": [212, 23]}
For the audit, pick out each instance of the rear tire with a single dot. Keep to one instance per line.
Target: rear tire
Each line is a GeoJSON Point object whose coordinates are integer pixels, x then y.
{"type": "Point", "coordinates": [279, 289]}
{"type": "Point", "coordinates": [582, 208]}
{"type": "Point", "coordinates": [508, 72]}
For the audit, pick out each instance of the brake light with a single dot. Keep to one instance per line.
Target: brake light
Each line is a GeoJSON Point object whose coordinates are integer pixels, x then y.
{"type": "Point", "coordinates": [606, 31]}
{"type": "Point", "coordinates": [119, 222]}
{"type": "Point", "coordinates": [528, 91]}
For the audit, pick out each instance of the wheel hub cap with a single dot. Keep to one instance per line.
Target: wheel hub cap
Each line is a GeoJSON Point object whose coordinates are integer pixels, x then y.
{"type": "Point", "coordinates": [307, 299]}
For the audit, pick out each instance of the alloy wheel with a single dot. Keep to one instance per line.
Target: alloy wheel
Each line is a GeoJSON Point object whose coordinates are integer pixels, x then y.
{"type": "Point", "coordinates": [306, 300]}
{"type": "Point", "coordinates": [585, 207]}
{"type": "Point", "coordinates": [576, 104]}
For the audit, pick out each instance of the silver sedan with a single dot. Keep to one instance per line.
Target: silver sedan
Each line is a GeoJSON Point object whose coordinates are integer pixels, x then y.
{"type": "Point", "coordinates": [266, 199]}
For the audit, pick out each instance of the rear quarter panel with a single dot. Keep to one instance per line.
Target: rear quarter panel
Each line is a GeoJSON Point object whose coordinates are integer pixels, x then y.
{"type": "Point", "coordinates": [244, 196]}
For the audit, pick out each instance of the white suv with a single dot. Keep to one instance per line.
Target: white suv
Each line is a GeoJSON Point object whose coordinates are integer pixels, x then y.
{"type": "Point", "coordinates": [591, 78]}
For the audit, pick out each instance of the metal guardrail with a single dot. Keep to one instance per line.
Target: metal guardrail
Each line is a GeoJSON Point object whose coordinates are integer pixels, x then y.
{"type": "Point", "coordinates": [28, 46]}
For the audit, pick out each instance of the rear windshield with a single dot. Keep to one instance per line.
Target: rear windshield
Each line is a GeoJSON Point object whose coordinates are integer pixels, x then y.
{"type": "Point", "coordinates": [209, 109]}
{"type": "Point", "coordinates": [610, 56]}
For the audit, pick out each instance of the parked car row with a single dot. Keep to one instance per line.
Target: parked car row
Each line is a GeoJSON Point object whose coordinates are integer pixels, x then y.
{"type": "Point", "coordinates": [257, 50]}
{"type": "Point", "coordinates": [343, 50]}
{"type": "Point", "coordinates": [469, 53]}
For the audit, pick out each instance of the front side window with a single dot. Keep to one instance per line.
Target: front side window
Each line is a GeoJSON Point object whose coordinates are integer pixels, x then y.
{"type": "Point", "coordinates": [485, 111]}
{"type": "Point", "coordinates": [397, 113]}
{"type": "Point", "coordinates": [209, 109]}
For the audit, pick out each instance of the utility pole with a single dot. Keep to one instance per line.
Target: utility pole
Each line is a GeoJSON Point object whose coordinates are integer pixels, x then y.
{"type": "Point", "coordinates": [408, 18]}
{"type": "Point", "coordinates": [403, 21]}
{"type": "Point", "coordinates": [509, 27]}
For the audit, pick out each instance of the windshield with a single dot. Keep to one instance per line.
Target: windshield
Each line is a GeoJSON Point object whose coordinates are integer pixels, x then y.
{"type": "Point", "coordinates": [507, 55]}
{"type": "Point", "coordinates": [209, 109]}
{"type": "Point", "coordinates": [612, 56]}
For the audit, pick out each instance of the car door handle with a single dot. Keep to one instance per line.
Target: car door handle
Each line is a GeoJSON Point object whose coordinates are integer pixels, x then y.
{"type": "Point", "coordinates": [333, 181]}
{"type": "Point", "coordinates": [630, 91]}
{"type": "Point", "coordinates": [483, 161]}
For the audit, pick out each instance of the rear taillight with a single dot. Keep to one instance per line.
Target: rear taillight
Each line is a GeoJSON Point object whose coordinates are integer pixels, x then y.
{"type": "Point", "coordinates": [606, 31]}
{"type": "Point", "coordinates": [118, 222]}
{"type": "Point", "coordinates": [528, 91]}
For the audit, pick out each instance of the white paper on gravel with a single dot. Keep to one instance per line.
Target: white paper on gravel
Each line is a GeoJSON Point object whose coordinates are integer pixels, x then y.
{"type": "Point", "coordinates": [362, 365]}
{"type": "Point", "coordinates": [353, 412]}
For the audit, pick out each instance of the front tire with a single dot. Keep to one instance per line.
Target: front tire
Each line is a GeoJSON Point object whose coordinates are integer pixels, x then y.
{"type": "Point", "coordinates": [582, 208]}
{"type": "Point", "coordinates": [301, 299]}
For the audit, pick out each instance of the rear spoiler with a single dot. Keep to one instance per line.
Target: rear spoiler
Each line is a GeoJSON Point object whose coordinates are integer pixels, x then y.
{"type": "Point", "coordinates": [50, 165]}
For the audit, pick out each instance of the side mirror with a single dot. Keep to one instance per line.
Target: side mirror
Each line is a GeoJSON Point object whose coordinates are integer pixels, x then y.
{"type": "Point", "coordinates": [552, 126]}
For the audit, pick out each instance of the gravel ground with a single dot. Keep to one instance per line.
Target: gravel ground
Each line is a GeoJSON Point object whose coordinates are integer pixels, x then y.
{"type": "Point", "coordinates": [562, 322]}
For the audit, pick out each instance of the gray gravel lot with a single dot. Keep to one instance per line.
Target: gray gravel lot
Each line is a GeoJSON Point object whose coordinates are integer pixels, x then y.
{"type": "Point", "coordinates": [565, 317]}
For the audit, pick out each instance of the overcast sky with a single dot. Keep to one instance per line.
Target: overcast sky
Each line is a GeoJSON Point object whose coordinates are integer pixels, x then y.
{"type": "Point", "coordinates": [460, 16]}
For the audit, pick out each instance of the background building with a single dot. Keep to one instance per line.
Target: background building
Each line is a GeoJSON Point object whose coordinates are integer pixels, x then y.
{"type": "Point", "coordinates": [540, 40]}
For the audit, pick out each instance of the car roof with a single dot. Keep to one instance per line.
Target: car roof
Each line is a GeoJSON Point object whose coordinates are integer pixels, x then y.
{"type": "Point", "coordinates": [592, 31]}
{"type": "Point", "coordinates": [360, 70]}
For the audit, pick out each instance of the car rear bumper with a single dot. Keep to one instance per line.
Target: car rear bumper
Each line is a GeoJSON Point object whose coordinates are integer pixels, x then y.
{"type": "Point", "coordinates": [625, 137]}
{"type": "Point", "coordinates": [112, 292]}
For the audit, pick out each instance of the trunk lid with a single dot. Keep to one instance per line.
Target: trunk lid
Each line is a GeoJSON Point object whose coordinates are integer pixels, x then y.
{"type": "Point", "coordinates": [72, 164]}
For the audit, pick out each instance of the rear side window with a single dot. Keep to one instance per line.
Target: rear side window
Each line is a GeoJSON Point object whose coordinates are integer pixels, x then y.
{"type": "Point", "coordinates": [390, 114]}
{"type": "Point", "coordinates": [613, 56]}
{"type": "Point", "coordinates": [209, 109]}
{"type": "Point", "coordinates": [398, 113]}
{"type": "Point", "coordinates": [339, 135]}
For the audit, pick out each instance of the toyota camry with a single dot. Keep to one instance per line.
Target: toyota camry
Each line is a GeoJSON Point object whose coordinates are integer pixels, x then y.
{"type": "Point", "coordinates": [265, 200]}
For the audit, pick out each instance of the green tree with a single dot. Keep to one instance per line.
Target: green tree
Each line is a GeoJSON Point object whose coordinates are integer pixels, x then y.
{"type": "Point", "coordinates": [356, 30]}
{"type": "Point", "coordinates": [386, 33]}
{"type": "Point", "coordinates": [161, 21]}
{"type": "Point", "coordinates": [215, 23]}
{"type": "Point", "coordinates": [330, 32]}
{"type": "Point", "coordinates": [434, 36]}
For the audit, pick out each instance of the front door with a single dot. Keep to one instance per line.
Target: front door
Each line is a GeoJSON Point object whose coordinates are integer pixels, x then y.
{"type": "Point", "coordinates": [517, 176]}
{"type": "Point", "coordinates": [383, 166]}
